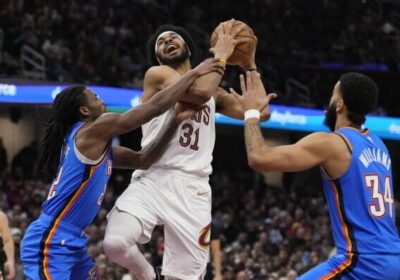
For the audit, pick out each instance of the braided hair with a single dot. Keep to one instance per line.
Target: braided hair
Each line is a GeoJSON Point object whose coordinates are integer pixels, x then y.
{"type": "Point", "coordinates": [65, 113]}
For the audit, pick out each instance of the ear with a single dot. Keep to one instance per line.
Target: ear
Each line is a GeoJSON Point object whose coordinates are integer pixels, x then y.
{"type": "Point", "coordinates": [340, 105]}
{"type": "Point", "coordinates": [158, 59]}
{"type": "Point", "coordinates": [85, 112]}
{"type": "Point", "coordinates": [188, 50]}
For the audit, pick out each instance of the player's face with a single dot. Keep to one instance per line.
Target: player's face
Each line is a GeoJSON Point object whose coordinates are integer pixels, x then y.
{"type": "Point", "coordinates": [331, 114]}
{"type": "Point", "coordinates": [170, 49]}
{"type": "Point", "coordinates": [94, 104]}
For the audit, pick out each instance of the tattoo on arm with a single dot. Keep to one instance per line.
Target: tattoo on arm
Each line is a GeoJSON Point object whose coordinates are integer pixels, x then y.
{"type": "Point", "coordinates": [253, 135]}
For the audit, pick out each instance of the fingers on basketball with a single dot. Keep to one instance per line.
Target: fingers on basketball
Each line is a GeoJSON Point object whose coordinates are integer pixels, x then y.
{"type": "Point", "coordinates": [246, 40]}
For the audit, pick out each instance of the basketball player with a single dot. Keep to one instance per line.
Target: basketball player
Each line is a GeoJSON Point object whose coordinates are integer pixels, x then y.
{"type": "Point", "coordinates": [7, 245]}
{"type": "Point", "coordinates": [357, 175]}
{"type": "Point", "coordinates": [175, 192]}
{"type": "Point", "coordinates": [78, 141]}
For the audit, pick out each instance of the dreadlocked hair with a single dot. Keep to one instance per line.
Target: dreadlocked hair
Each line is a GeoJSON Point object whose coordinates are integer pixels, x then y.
{"type": "Point", "coordinates": [65, 113]}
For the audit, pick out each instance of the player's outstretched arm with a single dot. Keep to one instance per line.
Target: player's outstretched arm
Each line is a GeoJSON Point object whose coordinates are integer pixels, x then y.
{"type": "Point", "coordinates": [205, 86]}
{"type": "Point", "coordinates": [228, 105]}
{"type": "Point", "coordinates": [262, 157]}
{"type": "Point", "coordinates": [125, 158]}
{"type": "Point", "coordinates": [110, 124]}
{"type": "Point", "coordinates": [308, 152]}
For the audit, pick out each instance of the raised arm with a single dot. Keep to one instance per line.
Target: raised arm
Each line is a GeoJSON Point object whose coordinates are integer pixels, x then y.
{"type": "Point", "coordinates": [262, 157]}
{"type": "Point", "coordinates": [110, 124]}
{"type": "Point", "coordinates": [308, 152]}
{"type": "Point", "coordinates": [206, 85]}
{"type": "Point", "coordinates": [228, 105]}
{"type": "Point", "coordinates": [92, 138]}
{"type": "Point", "coordinates": [125, 158]}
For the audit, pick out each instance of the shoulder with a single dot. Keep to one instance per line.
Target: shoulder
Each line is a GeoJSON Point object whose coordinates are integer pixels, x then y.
{"type": "Point", "coordinates": [159, 72]}
{"type": "Point", "coordinates": [322, 141]}
{"type": "Point", "coordinates": [322, 136]}
{"type": "Point", "coordinates": [157, 78]}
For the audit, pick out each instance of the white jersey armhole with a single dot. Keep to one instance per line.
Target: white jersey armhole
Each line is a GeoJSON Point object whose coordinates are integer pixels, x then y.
{"type": "Point", "coordinates": [84, 159]}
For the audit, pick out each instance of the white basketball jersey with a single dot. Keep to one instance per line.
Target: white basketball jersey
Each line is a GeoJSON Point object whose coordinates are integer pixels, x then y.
{"type": "Point", "coordinates": [190, 149]}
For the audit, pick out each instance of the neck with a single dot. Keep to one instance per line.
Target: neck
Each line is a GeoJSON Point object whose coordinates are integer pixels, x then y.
{"type": "Point", "coordinates": [344, 122]}
{"type": "Point", "coordinates": [183, 67]}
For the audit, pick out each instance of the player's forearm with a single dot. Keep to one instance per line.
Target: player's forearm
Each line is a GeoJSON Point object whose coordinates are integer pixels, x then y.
{"type": "Point", "coordinates": [250, 66]}
{"type": "Point", "coordinates": [124, 158]}
{"type": "Point", "coordinates": [255, 143]}
{"type": "Point", "coordinates": [155, 106]}
{"type": "Point", "coordinates": [229, 106]}
{"type": "Point", "coordinates": [9, 249]}
{"type": "Point", "coordinates": [154, 150]}
{"type": "Point", "coordinates": [171, 94]}
{"type": "Point", "coordinates": [165, 98]}
{"type": "Point", "coordinates": [203, 88]}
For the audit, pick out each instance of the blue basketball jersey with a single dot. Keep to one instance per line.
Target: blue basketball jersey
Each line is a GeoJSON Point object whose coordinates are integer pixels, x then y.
{"type": "Point", "coordinates": [77, 192]}
{"type": "Point", "coordinates": [361, 202]}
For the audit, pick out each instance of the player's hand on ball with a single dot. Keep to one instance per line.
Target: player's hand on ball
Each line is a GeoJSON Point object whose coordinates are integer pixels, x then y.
{"type": "Point", "coordinates": [185, 110]}
{"type": "Point", "coordinates": [254, 95]}
{"type": "Point", "coordinates": [226, 41]}
{"type": "Point", "coordinates": [250, 63]}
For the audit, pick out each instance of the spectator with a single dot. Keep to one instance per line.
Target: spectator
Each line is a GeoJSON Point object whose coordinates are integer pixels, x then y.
{"type": "Point", "coordinates": [7, 264]}
{"type": "Point", "coordinates": [214, 271]}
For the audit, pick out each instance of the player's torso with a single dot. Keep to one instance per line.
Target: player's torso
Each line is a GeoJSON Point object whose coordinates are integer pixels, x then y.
{"type": "Point", "coordinates": [190, 149]}
{"type": "Point", "coordinates": [361, 201]}
{"type": "Point", "coordinates": [76, 194]}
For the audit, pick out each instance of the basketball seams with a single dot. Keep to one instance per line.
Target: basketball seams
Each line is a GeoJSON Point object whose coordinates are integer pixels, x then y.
{"type": "Point", "coordinates": [243, 50]}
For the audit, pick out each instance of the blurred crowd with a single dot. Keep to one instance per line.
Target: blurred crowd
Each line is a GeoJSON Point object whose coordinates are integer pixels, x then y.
{"type": "Point", "coordinates": [103, 41]}
{"type": "Point", "coordinates": [266, 232]}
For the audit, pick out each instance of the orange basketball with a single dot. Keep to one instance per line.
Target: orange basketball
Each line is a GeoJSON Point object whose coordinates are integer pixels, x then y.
{"type": "Point", "coordinates": [242, 51]}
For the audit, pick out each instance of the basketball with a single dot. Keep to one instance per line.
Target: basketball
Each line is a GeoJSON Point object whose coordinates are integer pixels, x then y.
{"type": "Point", "coordinates": [242, 51]}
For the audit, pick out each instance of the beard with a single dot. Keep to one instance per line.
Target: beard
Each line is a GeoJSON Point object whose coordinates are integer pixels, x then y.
{"type": "Point", "coordinates": [330, 117]}
{"type": "Point", "coordinates": [176, 60]}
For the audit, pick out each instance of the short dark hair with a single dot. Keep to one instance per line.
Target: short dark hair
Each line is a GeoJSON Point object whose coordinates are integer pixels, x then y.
{"type": "Point", "coordinates": [360, 94]}
{"type": "Point", "coordinates": [151, 55]}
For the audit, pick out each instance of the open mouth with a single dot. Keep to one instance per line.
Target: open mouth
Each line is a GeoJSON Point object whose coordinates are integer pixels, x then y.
{"type": "Point", "coordinates": [171, 48]}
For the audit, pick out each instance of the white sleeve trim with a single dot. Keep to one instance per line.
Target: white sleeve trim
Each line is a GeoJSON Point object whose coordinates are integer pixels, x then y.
{"type": "Point", "coordinates": [84, 159]}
